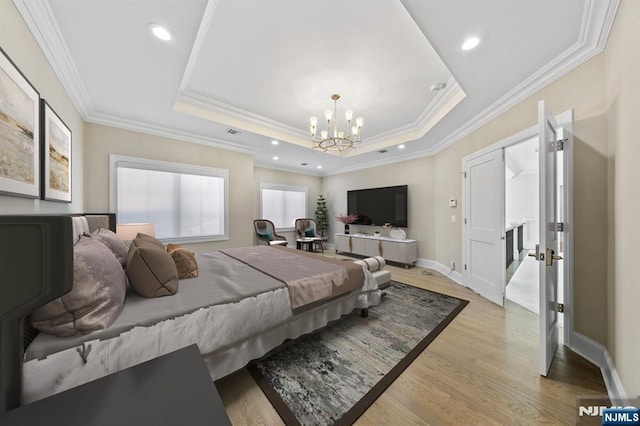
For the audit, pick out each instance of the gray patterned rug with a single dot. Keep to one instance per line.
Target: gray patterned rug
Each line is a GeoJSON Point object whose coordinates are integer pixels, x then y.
{"type": "Point", "coordinates": [332, 376]}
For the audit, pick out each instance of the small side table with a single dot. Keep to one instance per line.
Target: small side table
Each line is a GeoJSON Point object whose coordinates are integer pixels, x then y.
{"type": "Point", "coordinates": [301, 242]}
{"type": "Point", "coordinates": [173, 389]}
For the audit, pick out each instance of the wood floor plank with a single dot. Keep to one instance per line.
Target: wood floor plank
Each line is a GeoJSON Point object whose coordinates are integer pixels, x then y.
{"type": "Point", "coordinates": [482, 369]}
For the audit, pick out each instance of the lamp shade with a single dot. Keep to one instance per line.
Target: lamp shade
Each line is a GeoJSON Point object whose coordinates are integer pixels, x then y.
{"type": "Point", "coordinates": [128, 231]}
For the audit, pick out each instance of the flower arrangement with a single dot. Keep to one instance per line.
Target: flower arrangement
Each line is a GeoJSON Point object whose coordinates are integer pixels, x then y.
{"type": "Point", "coordinates": [387, 225]}
{"type": "Point", "coordinates": [347, 218]}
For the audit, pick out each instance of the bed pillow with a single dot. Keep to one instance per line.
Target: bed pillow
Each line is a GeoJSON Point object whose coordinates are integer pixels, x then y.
{"type": "Point", "coordinates": [94, 303]}
{"type": "Point", "coordinates": [150, 269]}
{"type": "Point", "coordinates": [149, 239]}
{"type": "Point", "coordinates": [80, 227]}
{"type": "Point", "coordinates": [113, 243]}
{"type": "Point", "coordinates": [185, 261]}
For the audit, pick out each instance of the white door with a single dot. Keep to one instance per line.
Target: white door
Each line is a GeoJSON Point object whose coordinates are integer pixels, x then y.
{"type": "Point", "coordinates": [484, 210]}
{"type": "Point", "coordinates": [548, 249]}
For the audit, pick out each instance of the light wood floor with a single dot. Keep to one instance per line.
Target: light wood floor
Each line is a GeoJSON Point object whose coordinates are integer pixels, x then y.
{"type": "Point", "coordinates": [482, 369]}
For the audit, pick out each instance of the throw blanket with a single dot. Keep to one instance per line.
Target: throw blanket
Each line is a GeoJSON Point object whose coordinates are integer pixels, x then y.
{"type": "Point", "coordinates": [309, 278]}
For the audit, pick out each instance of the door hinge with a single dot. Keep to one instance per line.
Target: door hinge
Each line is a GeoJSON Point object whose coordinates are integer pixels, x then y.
{"type": "Point", "coordinates": [560, 227]}
{"type": "Point", "coordinates": [465, 220]}
{"type": "Point", "coordinates": [560, 307]}
{"type": "Point", "coordinates": [464, 174]}
{"type": "Point", "coordinates": [465, 266]}
{"type": "Point", "coordinates": [560, 144]}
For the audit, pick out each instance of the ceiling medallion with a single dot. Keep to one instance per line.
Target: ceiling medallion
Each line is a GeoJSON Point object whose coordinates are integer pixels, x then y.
{"type": "Point", "coordinates": [333, 139]}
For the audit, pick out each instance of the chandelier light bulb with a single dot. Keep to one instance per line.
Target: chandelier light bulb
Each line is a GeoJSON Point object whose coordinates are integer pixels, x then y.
{"type": "Point", "coordinates": [324, 134]}
{"type": "Point", "coordinates": [354, 130]}
{"type": "Point", "coordinates": [313, 130]}
{"type": "Point", "coordinates": [359, 121]}
{"type": "Point", "coordinates": [313, 121]}
{"type": "Point", "coordinates": [327, 115]}
{"type": "Point", "coordinates": [349, 115]}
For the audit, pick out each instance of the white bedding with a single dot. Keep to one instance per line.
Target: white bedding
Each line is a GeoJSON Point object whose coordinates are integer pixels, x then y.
{"type": "Point", "coordinates": [228, 335]}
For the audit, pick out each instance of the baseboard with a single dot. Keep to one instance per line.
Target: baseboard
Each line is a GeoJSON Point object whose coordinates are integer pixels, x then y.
{"type": "Point", "coordinates": [589, 349]}
{"type": "Point", "coordinates": [444, 270]}
{"type": "Point", "coordinates": [598, 355]}
{"type": "Point", "coordinates": [612, 381]}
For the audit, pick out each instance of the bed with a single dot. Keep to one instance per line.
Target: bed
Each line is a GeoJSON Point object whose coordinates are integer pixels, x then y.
{"type": "Point", "coordinates": [234, 313]}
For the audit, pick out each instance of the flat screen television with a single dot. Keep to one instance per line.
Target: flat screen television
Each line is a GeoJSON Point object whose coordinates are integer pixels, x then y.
{"type": "Point", "coordinates": [377, 206]}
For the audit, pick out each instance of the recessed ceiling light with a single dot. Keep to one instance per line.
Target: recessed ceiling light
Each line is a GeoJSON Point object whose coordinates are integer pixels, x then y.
{"type": "Point", "coordinates": [470, 43]}
{"type": "Point", "coordinates": [276, 158]}
{"type": "Point", "coordinates": [319, 166]}
{"type": "Point", "coordinates": [401, 146]}
{"type": "Point", "coordinates": [160, 32]}
{"type": "Point", "coordinates": [274, 142]}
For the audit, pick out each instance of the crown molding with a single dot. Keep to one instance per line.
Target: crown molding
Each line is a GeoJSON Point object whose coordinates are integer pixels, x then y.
{"type": "Point", "coordinates": [285, 168]}
{"type": "Point", "coordinates": [201, 35]}
{"type": "Point", "coordinates": [193, 102]}
{"type": "Point", "coordinates": [381, 162]}
{"type": "Point", "coordinates": [41, 22]}
{"type": "Point", "coordinates": [180, 135]}
{"type": "Point", "coordinates": [246, 120]}
{"type": "Point", "coordinates": [595, 30]}
{"type": "Point", "coordinates": [594, 33]}
{"type": "Point", "coordinates": [439, 106]}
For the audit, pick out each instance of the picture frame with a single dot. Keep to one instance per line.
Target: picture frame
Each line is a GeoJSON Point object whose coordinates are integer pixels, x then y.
{"type": "Point", "coordinates": [19, 132]}
{"type": "Point", "coordinates": [56, 155]}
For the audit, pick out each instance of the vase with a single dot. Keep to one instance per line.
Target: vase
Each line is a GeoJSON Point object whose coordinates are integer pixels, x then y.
{"type": "Point", "coordinates": [346, 228]}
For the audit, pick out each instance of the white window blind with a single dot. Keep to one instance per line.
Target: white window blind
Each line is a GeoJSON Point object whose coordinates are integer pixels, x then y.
{"type": "Point", "coordinates": [185, 203]}
{"type": "Point", "coordinates": [283, 204]}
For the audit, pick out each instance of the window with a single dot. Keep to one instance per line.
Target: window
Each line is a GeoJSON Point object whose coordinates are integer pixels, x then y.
{"type": "Point", "coordinates": [185, 203]}
{"type": "Point", "coordinates": [283, 204]}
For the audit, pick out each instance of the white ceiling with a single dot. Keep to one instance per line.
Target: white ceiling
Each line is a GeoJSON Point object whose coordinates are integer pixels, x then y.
{"type": "Point", "coordinates": [522, 157]}
{"type": "Point", "coordinates": [264, 67]}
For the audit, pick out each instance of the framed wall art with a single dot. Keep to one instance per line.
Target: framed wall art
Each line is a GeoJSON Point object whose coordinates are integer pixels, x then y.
{"type": "Point", "coordinates": [56, 156]}
{"type": "Point", "coordinates": [19, 132]}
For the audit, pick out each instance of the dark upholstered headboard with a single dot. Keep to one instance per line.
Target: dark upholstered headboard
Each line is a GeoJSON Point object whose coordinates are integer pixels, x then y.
{"type": "Point", "coordinates": [36, 264]}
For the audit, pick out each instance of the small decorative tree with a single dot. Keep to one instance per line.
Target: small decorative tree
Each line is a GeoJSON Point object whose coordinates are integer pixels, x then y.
{"type": "Point", "coordinates": [322, 219]}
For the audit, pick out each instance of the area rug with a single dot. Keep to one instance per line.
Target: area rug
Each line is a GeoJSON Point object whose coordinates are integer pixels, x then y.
{"type": "Point", "coordinates": [332, 376]}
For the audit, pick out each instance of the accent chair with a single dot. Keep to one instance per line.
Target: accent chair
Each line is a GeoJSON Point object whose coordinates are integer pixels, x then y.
{"type": "Point", "coordinates": [266, 233]}
{"type": "Point", "coordinates": [307, 228]}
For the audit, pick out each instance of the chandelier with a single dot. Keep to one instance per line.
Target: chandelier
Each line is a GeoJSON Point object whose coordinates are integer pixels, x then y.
{"type": "Point", "coordinates": [333, 139]}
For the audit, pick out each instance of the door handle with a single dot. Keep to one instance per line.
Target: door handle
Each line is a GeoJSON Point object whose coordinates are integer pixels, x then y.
{"type": "Point", "coordinates": [551, 256]}
{"type": "Point", "coordinates": [537, 253]}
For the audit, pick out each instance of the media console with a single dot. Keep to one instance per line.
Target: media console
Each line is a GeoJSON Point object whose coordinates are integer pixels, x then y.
{"type": "Point", "coordinates": [401, 251]}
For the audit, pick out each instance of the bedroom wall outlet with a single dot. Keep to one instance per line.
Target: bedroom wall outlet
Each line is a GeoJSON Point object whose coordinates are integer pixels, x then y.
{"type": "Point", "coordinates": [452, 265]}
{"type": "Point", "coordinates": [453, 202]}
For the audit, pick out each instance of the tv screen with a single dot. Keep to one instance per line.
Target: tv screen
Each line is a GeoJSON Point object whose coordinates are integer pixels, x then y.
{"type": "Point", "coordinates": [377, 206]}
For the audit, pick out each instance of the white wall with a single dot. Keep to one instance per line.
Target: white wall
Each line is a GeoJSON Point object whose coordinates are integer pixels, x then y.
{"type": "Point", "coordinates": [622, 88]}
{"type": "Point", "coordinates": [18, 43]}
{"type": "Point", "coordinates": [312, 183]}
{"type": "Point", "coordinates": [417, 174]}
{"type": "Point", "coordinates": [103, 141]}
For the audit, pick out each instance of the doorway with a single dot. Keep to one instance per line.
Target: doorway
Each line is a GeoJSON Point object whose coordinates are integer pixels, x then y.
{"type": "Point", "coordinates": [522, 277]}
{"type": "Point", "coordinates": [486, 248]}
